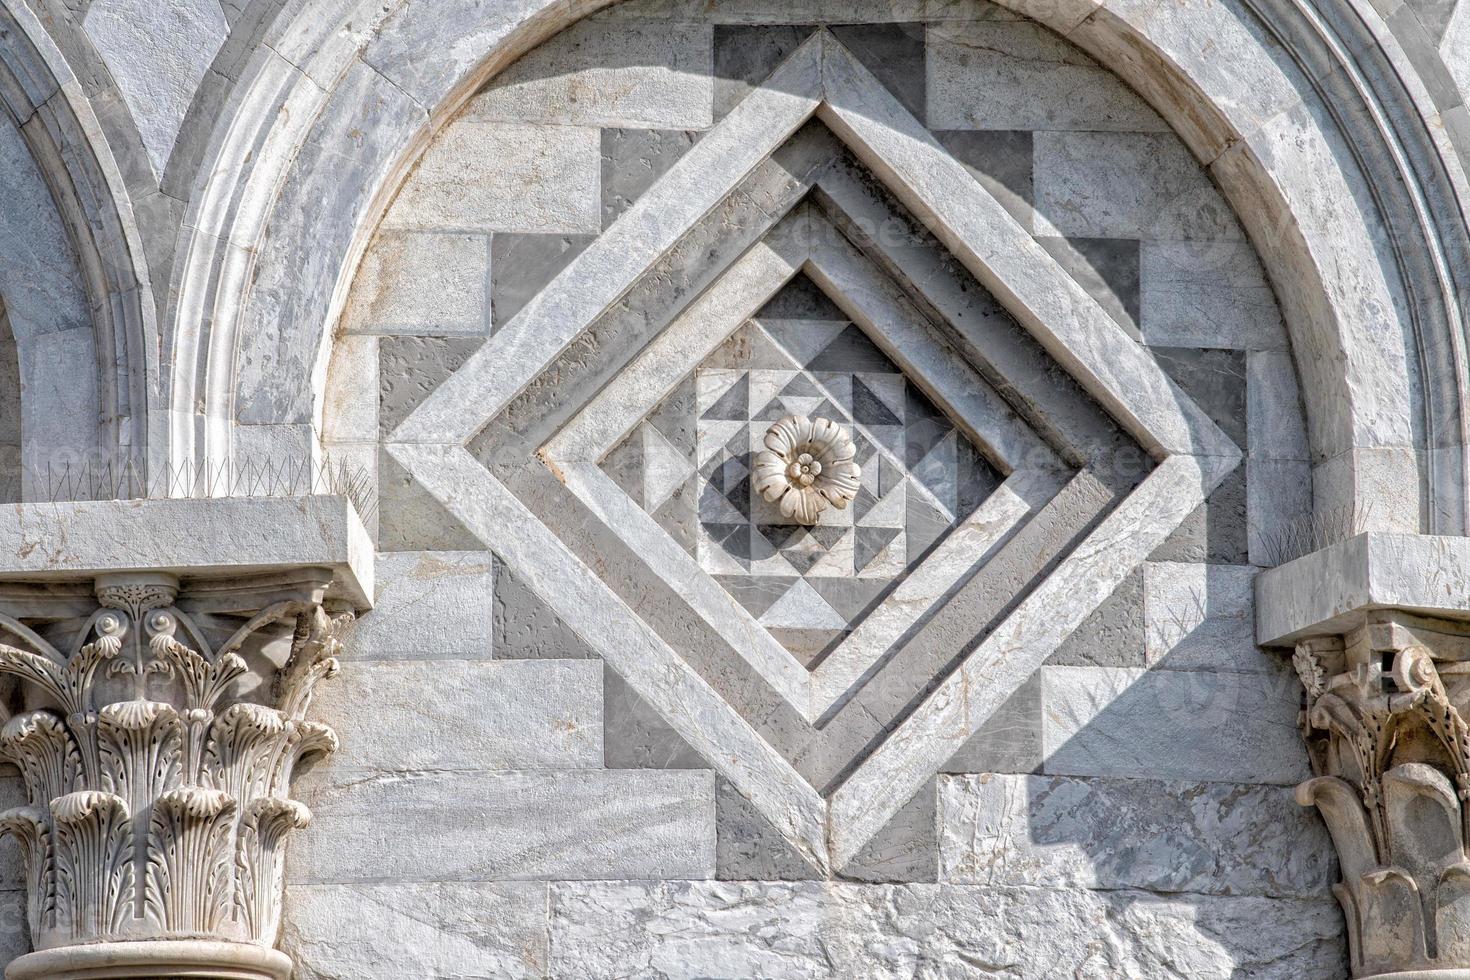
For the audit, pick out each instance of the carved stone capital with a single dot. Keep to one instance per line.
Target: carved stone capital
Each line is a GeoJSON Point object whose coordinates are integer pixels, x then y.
{"type": "Point", "coordinates": [1385, 725]}
{"type": "Point", "coordinates": [160, 733]}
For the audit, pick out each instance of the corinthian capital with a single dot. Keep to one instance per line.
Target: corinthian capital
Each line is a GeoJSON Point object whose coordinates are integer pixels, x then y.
{"type": "Point", "coordinates": [164, 714]}
{"type": "Point", "coordinates": [1386, 698]}
{"type": "Point", "coordinates": [157, 763]}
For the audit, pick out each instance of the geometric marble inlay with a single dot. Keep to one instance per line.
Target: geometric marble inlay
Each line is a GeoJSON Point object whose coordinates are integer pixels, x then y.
{"type": "Point", "coordinates": [645, 471]}
{"type": "Point", "coordinates": [921, 475]}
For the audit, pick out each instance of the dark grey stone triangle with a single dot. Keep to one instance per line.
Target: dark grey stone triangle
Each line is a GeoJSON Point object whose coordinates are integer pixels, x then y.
{"type": "Point", "coordinates": [827, 535]}
{"type": "Point", "coordinates": [868, 542]}
{"type": "Point", "coordinates": [868, 408]}
{"type": "Point", "coordinates": [773, 412]}
{"type": "Point", "coordinates": [733, 405]}
{"type": "Point", "coordinates": [852, 351]}
{"type": "Point", "coordinates": [756, 593]}
{"type": "Point", "coordinates": [801, 386]}
{"type": "Point", "coordinates": [782, 535]}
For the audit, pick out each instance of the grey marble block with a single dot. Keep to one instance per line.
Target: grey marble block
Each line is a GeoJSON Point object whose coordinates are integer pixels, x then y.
{"type": "Point", "coordinates": [1061, 831]}
{"type": "Point", "coordinates": [567, 824]}
{"type": "Point", "coordinates": [428, 606]}
{"type": "Point", "coordinates": [1171, 724]}
{"type": "Point", "coordinates": [440, 929]}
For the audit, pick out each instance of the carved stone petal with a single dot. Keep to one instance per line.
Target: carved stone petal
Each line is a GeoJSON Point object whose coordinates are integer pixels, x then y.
{"type": "Point", "coordinates": [75, 808]}
{"type": "Point", "coordinates": [1423, 816]}
{"type": "Point", "coordinates": [1392, 920]}
{"type": "Point", "coordinates": [1340, 807]}
{"type": "Point", "coordinates": [1452, 914]}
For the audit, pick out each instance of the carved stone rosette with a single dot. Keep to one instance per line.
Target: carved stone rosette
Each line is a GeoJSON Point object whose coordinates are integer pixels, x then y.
{"type": "Point", "coordinates": [1385, 725]}
{"type": "Point", "coordinates": [157, 770]}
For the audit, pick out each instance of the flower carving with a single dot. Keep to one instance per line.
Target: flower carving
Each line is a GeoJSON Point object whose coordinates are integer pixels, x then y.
{"type": "Point", "coordinates": [807, 465]}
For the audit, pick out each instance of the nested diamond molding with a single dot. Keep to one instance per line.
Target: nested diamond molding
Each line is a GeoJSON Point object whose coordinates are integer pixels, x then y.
{"type": "Point", "coordinates": [820, 81]}
{"type": "Point", "coordinates": [157, 770]}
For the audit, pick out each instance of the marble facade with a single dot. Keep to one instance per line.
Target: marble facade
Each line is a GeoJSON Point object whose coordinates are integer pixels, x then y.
{"type": "Point", "coordinates": [430, 351]}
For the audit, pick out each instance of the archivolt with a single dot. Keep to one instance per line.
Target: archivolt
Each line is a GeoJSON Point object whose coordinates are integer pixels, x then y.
{"type": "Point", "coordinates": [1307, 116]}
{"type": "Point", "coordinates": [44, 99]}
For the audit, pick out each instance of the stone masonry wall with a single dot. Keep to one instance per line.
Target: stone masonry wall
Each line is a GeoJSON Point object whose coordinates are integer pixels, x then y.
{"type": "Point", "coordinates": [505, 804]}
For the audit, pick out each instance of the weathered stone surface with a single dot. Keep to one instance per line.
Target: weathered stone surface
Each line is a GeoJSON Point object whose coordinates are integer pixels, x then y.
{"type": "Point", "coordinates": [1207, 294]}
{"type": "Point", "coordinates": [1201, 617]}
{"type": "Point", "coordinates": [446, 714]}
{"type": "Point", "coordinates": [423, 283]}
{"type": "Point", "coordinates": [559, 825]}
{"type": "Point", "coordinates": [1125, 185]}
{"type": "Point", "coordinates": [1171, 724]}
{"type": "Point", "coordinates": [505, 177]}
{"type": "Point", "coordinates": [654, 76]}
{"type": "Point", "coordinates": [1278, 500]}
{"type": "Point", "coordinates": [1274, 407]}
{"type": "Point", "coordinates": [1062, 831]}
{"type": "Point", "coordinates": [445, 930]}
{"type": "Point", "coordinates": [524, 627]}
{"type": "Point", "coordinates": [429, 606]}
{"type": "Point", "coordinates": [1019, 75]}
{"type": "Point", "coordinates": [158, 53]}
{"type": "Point", "coordinates": [600, 930]}
{"type": "Point", "coordinates": [1113, 635]}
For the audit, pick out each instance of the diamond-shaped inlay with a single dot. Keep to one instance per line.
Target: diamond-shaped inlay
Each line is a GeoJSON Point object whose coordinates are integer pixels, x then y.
{"type": "Point", "coordinates": [921, 475]}
{"type": "Point", "coordinates": [654, 456]}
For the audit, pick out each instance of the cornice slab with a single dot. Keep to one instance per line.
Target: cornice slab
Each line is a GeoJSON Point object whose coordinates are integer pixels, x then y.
{"type": "Point", "coordinates": [1327, 591]}
{"type": "Point", "coordinates": [191, 539]}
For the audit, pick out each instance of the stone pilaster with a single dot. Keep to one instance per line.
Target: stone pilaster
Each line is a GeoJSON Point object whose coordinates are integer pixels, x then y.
{"type": "Point", "coordinates": [1382, 649]}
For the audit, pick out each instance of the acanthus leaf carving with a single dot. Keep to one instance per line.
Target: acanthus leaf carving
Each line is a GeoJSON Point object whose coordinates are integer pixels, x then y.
{"type": "Point", "coordinates": [1386, 732]}
{"type": "Point", "coordinates": [164, 814]}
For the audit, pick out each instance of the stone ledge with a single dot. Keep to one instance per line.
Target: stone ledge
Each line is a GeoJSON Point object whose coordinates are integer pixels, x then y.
{"type": "Point", "coordinates": [192, 539]}
{"type": "Point", "coordinates": [1325, 592]}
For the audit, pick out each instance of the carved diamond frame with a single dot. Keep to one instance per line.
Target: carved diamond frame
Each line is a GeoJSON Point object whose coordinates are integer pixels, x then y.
{"type": "Point", "coordinates": [824, 80]}
{"type": "Point", "coordinates": [807, 242]}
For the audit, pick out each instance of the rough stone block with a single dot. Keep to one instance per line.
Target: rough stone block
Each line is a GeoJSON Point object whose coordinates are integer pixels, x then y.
{"type": "Point", "coordinates": [460, 714]}
{"type": "Point", "coordinates": [1019, 75]}
{"type": "Point", "coordinates": [446, 930]}
{"type": "Point", "coordinates": [1126, 185]}
{"type": "Point", "coordinates": [505, 177]}
{"type": "Point", "coordinates": [608, 74]}
{"type": "Point", "coordinates": [1207, 294]}
{"type": "Point", "coordinates": [454, 826]}
{"type": "Point", "coordinates": [1172, 724]}
{"type": "Point", "coordinates": [857, 932]}
{"type": "Point", "coordinates": [1202, 617]}
{"type": "Point", "coordinates": [1061, 831]}
{"type": "Point", "coordinates": [1274, 407]}
{"type": "Point", "coordinates": [419, 282]}
{"type": "Point", "coordinates": [747, 847]}
{"type": "Point", "coordinates": [524, 627]}
{"type": "Point", "coordinates": [411, 368]}
{"type": "Point", "coordinates": [1113, 635]}
{"type": "Point", "coordinates": [1010, 739]}
{"type": "Point", "coordinates": [429, 606]}
{"type": "Point", "coordinates": [632, 159]}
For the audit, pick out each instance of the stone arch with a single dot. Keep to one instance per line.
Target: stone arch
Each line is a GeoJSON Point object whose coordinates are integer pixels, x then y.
{"type": "Point", "coordinates": [98, 303]}
{"type": "Point", "coordinates": [1301, 121]}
